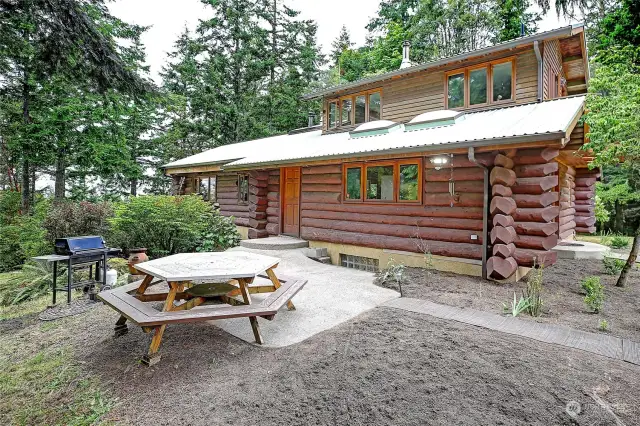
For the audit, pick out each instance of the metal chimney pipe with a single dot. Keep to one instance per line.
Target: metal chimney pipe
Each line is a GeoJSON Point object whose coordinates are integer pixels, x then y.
{"type": "Point", "coordinates": [406, 48]}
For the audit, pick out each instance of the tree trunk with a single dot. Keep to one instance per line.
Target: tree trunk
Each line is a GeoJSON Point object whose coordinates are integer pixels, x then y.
{"type": "Point", "coordinates": [619, 218]}
{"type": "Point", "coordinates": [134, 187]}
{"type": "Point", "coordinates": [635, 250]}
{"type": "Point", "coordinates": [60, 184]}
{"type": "Point", "coordinates": [26, 167]}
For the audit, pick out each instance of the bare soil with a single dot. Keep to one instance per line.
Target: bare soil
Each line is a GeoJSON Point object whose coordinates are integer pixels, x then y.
{"type": "Point", "coordinates": [562, 296]}
{"type": "Point", "coordinates": [386, 367]}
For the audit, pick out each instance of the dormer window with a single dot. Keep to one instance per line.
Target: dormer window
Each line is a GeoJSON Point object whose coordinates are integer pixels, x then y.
{"type": "Point", "coordinates": [354, 109]}
{"type": "Point", "coordinates": [479, 85]}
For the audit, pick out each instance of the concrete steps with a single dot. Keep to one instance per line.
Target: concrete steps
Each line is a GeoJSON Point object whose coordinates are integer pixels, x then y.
{"type": "Point", "coordinates": [319, 254]}
{"type": "Point", "coordinates": [275, 243]}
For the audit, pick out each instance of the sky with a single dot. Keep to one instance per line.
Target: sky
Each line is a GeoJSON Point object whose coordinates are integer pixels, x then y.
{"type": "Point", "coordinates": [168, 19]}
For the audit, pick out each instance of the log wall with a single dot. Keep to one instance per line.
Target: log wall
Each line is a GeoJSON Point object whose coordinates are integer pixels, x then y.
{"type": "Point", "coordinates": [227, 193]}
{"type": "Point", "coordinates": [585, 204]}
{"type": "Point", "coordinates": [444, 225]}
{"type": "Point", "coordinates": [536, 206]}
{"type": "Point", "coordinates": [273, 202]}
{"type": "Point", "coordinates": [501, 265]}
{"type": "Point", "coordinates": [566, 219]}
{"type": "Point", "coordinates": [258, 183]}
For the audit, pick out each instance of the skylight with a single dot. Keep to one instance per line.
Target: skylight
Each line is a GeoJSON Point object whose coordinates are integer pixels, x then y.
{"type": "Point", "coordinates": [374, 128]}
{"type": "Point", "coordinates": [443, 117]}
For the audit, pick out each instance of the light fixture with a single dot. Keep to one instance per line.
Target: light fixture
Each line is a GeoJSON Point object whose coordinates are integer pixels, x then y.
{"type": "Point", "coordinates": [439, 161]}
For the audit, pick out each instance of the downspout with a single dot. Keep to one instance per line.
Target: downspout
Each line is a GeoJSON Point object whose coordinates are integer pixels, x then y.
{"type": "Point", "coordinates": [485, 211]}
{"type": "Point", "coordinates": [536, 48]}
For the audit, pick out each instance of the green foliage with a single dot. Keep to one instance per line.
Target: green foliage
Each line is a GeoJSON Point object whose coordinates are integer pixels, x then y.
{"type": "Point", "coordinates": [603, 325]}
{"type": "Point", "coordinates": [533, 291]}
{"type": "Point", "coordinates": [517, 306]}
{"type": "Point", "coordinates": [601, 212]}
{"type": "Point", "coordinates": [70, 219]}
{"type": "Point", "coordinates": [167, 225]}
{"type": "Point", "coordinates": [33, 281]}
{"type": "Point", "coordinates": [393, 273]}
{"type": "Point", "coordinates": [619, 242]}
{"type": "Point", "coordinates": [612, 265]}
{"type": "Point", "coordinates": [594, 290]}
{"type": "Point", "coordinates": [220, 235]}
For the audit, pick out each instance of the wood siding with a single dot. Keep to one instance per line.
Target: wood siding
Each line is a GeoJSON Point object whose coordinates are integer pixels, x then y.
{"type": "Point", "coordinates": [406, 97]}
{"type": "Point", "coordinates": [443, 225]}
{"type": "Point", "coordinates": [227, 187]}
{"type": "Point", "coordinates": [552, 60]}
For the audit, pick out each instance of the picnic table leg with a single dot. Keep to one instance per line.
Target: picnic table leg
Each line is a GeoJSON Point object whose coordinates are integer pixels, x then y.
{"type": "Point", "coordinates": [244, 289]}
{"type": "Point", "coordinates": [121, 326]}
{"type": "Point", "coordinates": [55, 280]}
{"type": "Point", "coordinates": [276, 284]}
{"type": "Point", "coordinates": [153, 357]}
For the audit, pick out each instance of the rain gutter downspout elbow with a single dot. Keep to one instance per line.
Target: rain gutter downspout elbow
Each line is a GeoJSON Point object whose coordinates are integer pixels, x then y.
{"type": "Point", "coordinates": [485, 210]}
{"type": "Point", "coordinates": [536, 48]}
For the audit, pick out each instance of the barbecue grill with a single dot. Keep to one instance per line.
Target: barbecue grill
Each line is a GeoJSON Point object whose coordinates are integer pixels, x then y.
{"type": "Point", "coordinates": [89, 252]}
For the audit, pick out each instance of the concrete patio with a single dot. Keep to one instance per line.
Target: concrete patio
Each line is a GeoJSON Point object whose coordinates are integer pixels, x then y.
{"type": "Point", "coordinates": [333, 295]}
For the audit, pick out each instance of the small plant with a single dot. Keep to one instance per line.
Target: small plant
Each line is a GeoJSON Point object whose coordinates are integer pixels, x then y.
{"type": "Point", "coordinates": [517, 306]}
{"type": "Point", "coordinates": [425, 250]}
{"type": "Point", "coordinates": [393, 273]}
{"type": "Point", "coordinates": [594, 290]}
{"type": "Point", "coordinates": [533, 291]}
{"type": "Point", "coordinates": [612, 265]}
{"type": "Point", "coordinates": [603, 325]}
{"type": "Point", "coordinates": [619, 242]}
{"type": "Point", "coordinates": [33, 281]}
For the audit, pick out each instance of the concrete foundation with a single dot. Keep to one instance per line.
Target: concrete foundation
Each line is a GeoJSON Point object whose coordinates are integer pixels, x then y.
{"type": "Point", "coordinates": [580, 250]}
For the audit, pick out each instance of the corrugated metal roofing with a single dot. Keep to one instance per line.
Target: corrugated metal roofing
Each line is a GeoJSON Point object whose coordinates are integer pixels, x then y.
{"type": "Point", "coordinates": [543, 35]}
{"type": "Point", "coordinates": [549, 118]}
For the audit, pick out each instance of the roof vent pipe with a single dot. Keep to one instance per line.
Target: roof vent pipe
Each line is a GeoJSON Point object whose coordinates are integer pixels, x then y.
{"type": "Point", "coordinates": [406, 62]}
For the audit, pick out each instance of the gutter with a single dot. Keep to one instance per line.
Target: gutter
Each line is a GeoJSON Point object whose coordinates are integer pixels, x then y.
{"type": "Point", "coordinates": [485, 211]}
{"type": "Point", "coordinates": [552, 34]}
{"type": "Point", "coordinates": [536, 48]}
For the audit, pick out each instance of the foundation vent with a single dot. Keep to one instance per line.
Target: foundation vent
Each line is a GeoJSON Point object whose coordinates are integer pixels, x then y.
{"type": "Point", "coordinates": [359, 262]}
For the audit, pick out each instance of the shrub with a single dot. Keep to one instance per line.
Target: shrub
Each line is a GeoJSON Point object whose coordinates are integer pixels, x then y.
{"type": "Point", "coordinates": [9, 206]}
{"type": "Point", "coordinates": [394, 273]}
{"type": "Point", "coordinates": [167, 225]}
{"type": "Point", "coordinates": [612, 265]}
{"type": "Point", "coordinates": [517, 306]}
{"type": "Point", "coordinates": [603, 325]}
{"type": "Point", "coordinates": [619, 242]}
{"type": "Point", "coordinates": [601, 212]}
{"type": "Point", "coordinates": [72, 219]}
{"type": "Point", "coordinates": [594, 290]}
{"type": "Point", "coordinates": [32, 281]}
{"type": "Point", "coordinates": [533, 291]}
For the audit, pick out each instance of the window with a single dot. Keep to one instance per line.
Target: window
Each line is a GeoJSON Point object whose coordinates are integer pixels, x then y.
{"type": "Point", "coordinates": [484, 84]}
{"type": "Point", "coordinates": [333, 115]}
{"type": "Point", "coordinates": [386, 182]}
{"type": "Point", "coordinates": [355, 109]}
{"type": "Point", "coordinates": [502, 82]}
{"type": "Point", "coordinates": [243, 189]}
{"type": "Point", "coordinates": [207, 188]}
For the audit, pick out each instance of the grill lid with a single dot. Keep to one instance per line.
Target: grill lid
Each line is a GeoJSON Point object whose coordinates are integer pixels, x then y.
{"type": "Point", "coordinates": [73, 245]}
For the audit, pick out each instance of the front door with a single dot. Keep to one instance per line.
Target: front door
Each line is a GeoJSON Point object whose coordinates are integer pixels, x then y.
{"type": "Point", "coordinates": [291, 201]}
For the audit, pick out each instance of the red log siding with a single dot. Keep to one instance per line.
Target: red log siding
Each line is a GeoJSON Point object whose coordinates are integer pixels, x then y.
{"type": "Point", "coordinates": [444, 224]}
{"type": "Point", "coordinates": [585, 216]}
{"type": "Point", "coordinates": [273, 204]}
{"type": "Point", "coordinates": [566, 221]}
{"type": "Point", "coordinates": [227, 189]}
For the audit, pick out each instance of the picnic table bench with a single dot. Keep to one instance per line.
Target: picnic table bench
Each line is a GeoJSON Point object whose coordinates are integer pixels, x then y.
{"type": "Point", "coordinates": [196, 281]}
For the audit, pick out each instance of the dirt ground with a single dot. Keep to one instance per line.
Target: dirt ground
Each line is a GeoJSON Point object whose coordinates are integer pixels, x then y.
{"type": "Point", "coordinates": [387, 367]}
{"type": "Point", "coordinates": [562, 296]}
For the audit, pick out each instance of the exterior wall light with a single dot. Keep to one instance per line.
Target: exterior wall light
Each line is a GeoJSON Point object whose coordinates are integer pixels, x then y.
{"type": "Point", "coordinates": [439, 161]}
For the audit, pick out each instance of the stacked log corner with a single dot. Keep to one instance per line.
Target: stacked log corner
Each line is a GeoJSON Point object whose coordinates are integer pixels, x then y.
{"type": "Point", "coordinates": [273, 202]}
{"type": "Point", "coordinates": [585, 204]}
{"type": "Point", "coordinates": [258, 203]}
{"type": "Point", "coordinates": [227, 199]}
{"type": "Point", "coordinates": [501, 264]}
{"type": "Point", "coordinates": [537, 206]}
{"type": "Point", "coordinates": [444, 225]}
{"type": "Point", "coordinates": [566, 218]}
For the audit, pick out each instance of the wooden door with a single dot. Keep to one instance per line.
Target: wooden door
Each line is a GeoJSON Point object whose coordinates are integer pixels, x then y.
{"type": "Point", "coordinates": [291, 201]}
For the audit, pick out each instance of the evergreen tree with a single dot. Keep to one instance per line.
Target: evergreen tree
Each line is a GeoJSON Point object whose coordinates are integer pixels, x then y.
{"type": "Point", "coordinates": [340, 44]}
{"type": "Point", "coordinates": [513, 16]}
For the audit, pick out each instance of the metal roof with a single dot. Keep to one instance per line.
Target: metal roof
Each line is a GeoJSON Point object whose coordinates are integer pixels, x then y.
{"type": "Point", "coordinates": [534, 121]}
{"type": "Point", "coordinates": [544, 35]}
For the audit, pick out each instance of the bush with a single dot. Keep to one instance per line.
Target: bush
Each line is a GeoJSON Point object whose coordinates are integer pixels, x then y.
{"type": "Point", "coordinates": [72, 219]}
{"type": "Point", "coordinates": [34, 280]}
{"type": "Point", "coordinates": [167, 225]}
{"type": "Point", "coordinates": [619, 242]}
{"type": "Point", "coordinates": [533, 291]}
{"type": "Point", "coordinates": [595, 293]}
{"type": "Point", "coordinates": [612, 265]}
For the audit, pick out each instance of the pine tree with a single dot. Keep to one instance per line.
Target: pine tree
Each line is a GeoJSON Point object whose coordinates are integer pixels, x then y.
{"type": "Point", "coordinates": [340, 44]}
{"type": "Point", "coordinates": [513, 16]}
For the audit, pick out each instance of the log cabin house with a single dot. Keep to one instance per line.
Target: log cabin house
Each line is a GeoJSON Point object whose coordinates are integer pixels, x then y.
{"type": "Point", "coordinates": [474, 159]}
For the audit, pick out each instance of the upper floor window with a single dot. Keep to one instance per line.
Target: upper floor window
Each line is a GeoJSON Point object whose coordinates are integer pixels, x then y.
{"type": "Point", "coordinates": [243, 189]}
{"type": "Point", "coordinates": [479, 85]}
{"type": "Point", "coordinates": [355, 109]}
{"type": "Point", "coordinates": [397, 181]}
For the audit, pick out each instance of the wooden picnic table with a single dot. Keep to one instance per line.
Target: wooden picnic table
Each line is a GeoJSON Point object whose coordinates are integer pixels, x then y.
{"type": "Point", "coordinates": [196, 279]}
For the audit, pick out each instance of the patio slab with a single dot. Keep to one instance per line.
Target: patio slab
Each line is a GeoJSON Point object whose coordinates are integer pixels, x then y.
{"type": "Point", "coordinates": [279, 242]}
{"type": "Point", "coordinates": [332, 296]}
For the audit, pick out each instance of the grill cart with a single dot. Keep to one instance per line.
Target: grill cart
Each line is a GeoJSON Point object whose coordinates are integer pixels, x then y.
{"type": "Point", "coordinates": [90, 252]}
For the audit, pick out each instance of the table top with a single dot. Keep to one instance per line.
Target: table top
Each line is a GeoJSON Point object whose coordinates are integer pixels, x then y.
{"type": "Point", "coordinates": [220, 266]}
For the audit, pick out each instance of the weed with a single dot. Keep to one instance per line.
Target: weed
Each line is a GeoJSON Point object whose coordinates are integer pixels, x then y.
{"type": "Point", "coordinates": [619, 242]}
{"type": "Point", "coordinates": [394, 272]}
{"type": "Point", "coordinates": [517, 306]}
{"type": "Point", "coordinates": [594, 290]}
{"type": "Point", "coordinates": [425, 250]}
{"type": "Point", "coordinates": [612, 265]}
{"type": "Point", "coordinates": [533, 291]}
{"type": "Point", "coordinates": [603, 325]}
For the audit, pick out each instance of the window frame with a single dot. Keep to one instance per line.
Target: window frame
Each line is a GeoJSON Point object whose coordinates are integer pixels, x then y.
{"type": "Point", "coordinates": [465, 71]}
{"type": "Point", "coordinates": [242, 176]}
{"type": "Point", "coordinates": [352, 97]}
{"type": "Point", "coordinates": [396, 180]}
